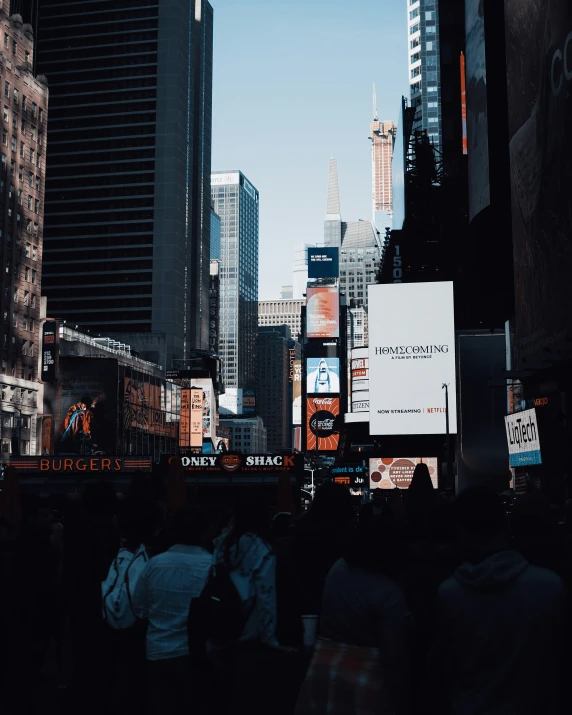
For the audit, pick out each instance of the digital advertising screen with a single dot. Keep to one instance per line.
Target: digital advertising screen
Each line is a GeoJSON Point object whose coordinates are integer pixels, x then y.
{"type": "Point", "coordinates": [323, 375]}
{"type": "Point", "coordinates": [297, 392]}
{"type": "Point", "coordinates": [411, 357]}
{"type": "Point", "coordinates": [323, 262]}
{"type": "Point", "coordinates": [397, 472]}
{"type": "Point", "coordinates": [323, 312]}
{"type": "Point", "coordinates": [209, 406]}
{"type": "Point", "coordinates": [321, 414]}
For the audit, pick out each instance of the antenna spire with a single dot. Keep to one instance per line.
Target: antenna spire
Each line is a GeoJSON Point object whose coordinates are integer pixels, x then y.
{"type": "Point", "coordinates": [375, 116]}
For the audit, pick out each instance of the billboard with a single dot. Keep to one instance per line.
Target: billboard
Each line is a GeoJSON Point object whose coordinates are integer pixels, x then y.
{"type": "Point", "coordinates": [50, 351]}
{"type": "Point", "coordinates": [539, 85]}
{"type": "Point", "coordinates": [360, 379]}
{"type": "Point", "coordinates": [323, 375]}
{"type": "Point", "coordinates": [476, 108]}
{"type": "Point", "coordinates": [522, 438]}
{"type": "Point", "coordinates": [84, 406]}
{"type": "Point", "coordinates": [397, 472]}
{"type": "Point", "coordinates": [144, 406]}
{"type": "Point", "coordinates": [196, 419]}
{"type": "Point", "coordinates": [248, 401]}
{"type": "Point", "coordinates": [323, 312]}
{"type": "Point", "coordinates": [321, 423]}
{"type": "Point", "coordinates": [229, 464]}
{"type": "Point", "coordinates": [185, 419]}
{"type": "Point", "coordinates": [411, 357]}
{"type": "Point", "coordinates": [209, 406]}
{"type": "Point", "coordinates": [297, 393]}
{"type": "Point", "coordinates": [323, 262]}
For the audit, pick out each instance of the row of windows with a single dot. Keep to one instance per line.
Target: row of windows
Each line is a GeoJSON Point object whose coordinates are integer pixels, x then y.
{"type": "Point", "coordinates": [16, 99]}
{"type": "Point", "coordinates": [26, 323]}
{"type": "Point", "coordinates": [30, 274]}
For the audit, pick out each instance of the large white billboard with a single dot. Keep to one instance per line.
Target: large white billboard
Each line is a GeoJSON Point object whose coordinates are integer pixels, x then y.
{"type": "Point", "coordinates": [411, 357]}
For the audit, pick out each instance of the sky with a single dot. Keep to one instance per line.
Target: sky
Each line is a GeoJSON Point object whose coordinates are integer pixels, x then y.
{"type": "Point", "coordinates": [292, 86]}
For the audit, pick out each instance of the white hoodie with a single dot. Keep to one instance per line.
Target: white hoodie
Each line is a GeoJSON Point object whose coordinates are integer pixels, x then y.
{"type": "Point", "coordinates": [498, 644]}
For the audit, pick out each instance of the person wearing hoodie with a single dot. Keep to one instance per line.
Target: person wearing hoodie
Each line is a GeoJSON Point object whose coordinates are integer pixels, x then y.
{"type": "Point", "coordinates": [499, 648]}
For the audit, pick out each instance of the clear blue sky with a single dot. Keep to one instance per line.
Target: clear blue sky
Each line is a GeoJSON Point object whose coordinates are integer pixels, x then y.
{"type": "Point", "coordinates": [292, 85]}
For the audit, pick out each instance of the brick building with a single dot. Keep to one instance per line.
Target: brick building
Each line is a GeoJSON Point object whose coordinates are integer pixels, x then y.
{"type": "Point", "coordinates": [24, 106]}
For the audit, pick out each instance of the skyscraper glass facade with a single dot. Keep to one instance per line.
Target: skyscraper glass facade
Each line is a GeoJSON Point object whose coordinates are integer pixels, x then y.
{"type": "Point", "coordinates": [127, 208]}
{"type": "Point", "coordinates": [215, 236]}
{"type": "Point", "coordinates": [235, 200]}
{"type": "Point", "coordinates": [424, 70]}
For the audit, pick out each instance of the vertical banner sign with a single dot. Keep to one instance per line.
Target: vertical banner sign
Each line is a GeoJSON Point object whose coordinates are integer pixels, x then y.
{"type": "Point", "coordinates": [411, 357]}
{"type": "Point", "coordinates": [464, 105]}
{"type": "Point", "coordinates": [297, 393]}
{"type": "Point", "coordinates": [50, 351]}
{"type": "Point", "coordinates": [321, 413]}
{"type": "Point", "coordinates": [323, 312]}
{"type": "Point", "coordinates": [47, 427]}
{"type": "Point", "coordinates": [196, 417]}
{"type": "Point", "coordinates": [185, 419]}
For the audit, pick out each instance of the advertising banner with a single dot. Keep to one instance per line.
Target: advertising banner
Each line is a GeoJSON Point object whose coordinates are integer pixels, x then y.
{"type": "Point", "coordinates": [323, 262]}
{"type": "Point", "coordinates": [392, 472]}
{"type": "Point", "coordinates": [523, 439]}
{"type": "Point", "coordinates": [323, 375]}
{"type": "Point", "coordinates": [209, 406]}
{"type": "Point", "coordinates": [47, 432]}
{"type": "Point", "coordinates": [50, 351]}
{"type": "Point", "coordinates": [323, 312]}
{"type": "Point", "coordinates": [248, 401]}
{"type": "Point", "coordinates": [145, 408]}
{"type": "Point", "coordinates": [297, 393]}
{"type": "Point", "coordinates": [196, 417]}
{"type": "Point", "coordinates": [94, 466]}
{"type": "Point", "coordinates": [539, 88]}
{"type": "Point", "coordinates": [411, 357]}
{"type": "Point", "coordinates": [321, 413]}
{"type": "Point", "coordinates": [84, 406]}
{"type": "Point", "coordinates": [185, 419]}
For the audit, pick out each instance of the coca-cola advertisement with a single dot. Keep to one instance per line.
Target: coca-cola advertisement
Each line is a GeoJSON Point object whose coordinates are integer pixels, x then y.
{"type": "Point", "coordinates": [322, 423]}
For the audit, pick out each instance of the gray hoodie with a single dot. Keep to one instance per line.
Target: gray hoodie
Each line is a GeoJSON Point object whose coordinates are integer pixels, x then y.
{"type": "Point", "coordinates": [498, 642]}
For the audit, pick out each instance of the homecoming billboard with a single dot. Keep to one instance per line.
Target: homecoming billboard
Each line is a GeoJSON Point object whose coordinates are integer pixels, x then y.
{"type": "Point", "coordinates": [411, 357]}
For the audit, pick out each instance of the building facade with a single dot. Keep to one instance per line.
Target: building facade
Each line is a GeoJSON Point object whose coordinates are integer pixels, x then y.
{"type": "Point", "coordinates": [215, 236]}
{"type": "Point", "coordinates": [273, 391]}
{"type": "Point", "coordinates": [424, 67]}
{"type": "Point", "coordinates": [127, 222]}
{"type": "Point", "coordinates": [22, 179]}
{"type": "Point", "coordinates": [382, 136]}
{"type": "Point", "coordinates": [247, 434]}
{"type": "Point", "coordinates": [235, 200]}
{"type": "Point", "coordinates": [300, 272]}
{"type": "Point", "coordinates": [282, 312]}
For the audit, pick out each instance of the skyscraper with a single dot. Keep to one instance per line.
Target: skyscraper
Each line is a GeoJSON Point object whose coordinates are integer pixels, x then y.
{"type": "Point", "coordinates": [274, 402]}
{"type": "Point", "coordinates": [22, 174]}
{"type": "Point", "coordinates": [286, 311]}
{"type": "Point", "coordinates": [236, 202]}
{"type": "Point", "coordinates": [382, 135]}
{"type": "Point", "coordinates": [215, 236]}
{"type": "Point", "coordinates": [127, 222]}
{"type": "Point", "coordinates": [424, 67]}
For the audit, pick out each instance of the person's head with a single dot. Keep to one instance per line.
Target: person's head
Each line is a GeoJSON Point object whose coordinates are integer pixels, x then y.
{"type": "Point", "coordinates": [190, 526]}
{"type": "Point", "coordinates": [85, 402]}
{"type": "Point", "coordinates": [420, 493]}
{"type": "Point", "coordinates": [480, 521]}
{"type": "Point", "coordinates": [373, 548]}
{"type": "Point", "coordinates": [332, 504]}
{"type": "Point", "coordinates": [100, 498]}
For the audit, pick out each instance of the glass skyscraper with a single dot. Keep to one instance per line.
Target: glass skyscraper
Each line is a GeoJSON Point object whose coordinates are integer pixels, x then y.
{"type": "Point", "coordinates": [424, 70]}
{"type": "Point", "coordinates": [127, 204]}
{"type": "Point", "coordinates": [235, 200]}
{"type": "Point", "coordinates": [215, 236]}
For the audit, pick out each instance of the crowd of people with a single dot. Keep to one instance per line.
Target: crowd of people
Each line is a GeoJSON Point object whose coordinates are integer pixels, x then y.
{"type": "Point", "coordinates": [418, 604]}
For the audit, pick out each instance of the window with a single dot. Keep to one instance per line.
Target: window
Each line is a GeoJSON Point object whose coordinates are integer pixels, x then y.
{"type": "Point", "coordinates": [36, 205]}
{"type": "Point", "coordinates": [433, 120]}
{"type": "Point", "coordinates": [28, 225]}
{"type": "Point", "coordinates": [23, 125]}
{"type": "Point", "coordinates": [40, 138]}
{"type": "Point", "coordinates": [35, 229]}
{"type": "Point", "coordinates": [20, 173]}
{"type": "Point", "coordinates": [34, 253]}
{"type": "Point", "coordinates": [5, 316]}
{"type": "Point", "coordinates": [6, 113]}
{"type": "Point", "coordinates": [32, 155]}
{"type": "Point", "coordinates": [34, 273]}
{"type": "Point", "coordinates": [33, 300]}
{"type": "Point", "coordinates": [429, 46]}
{"type": "Point", "coordinates": [39, 161]}
{"type": "Point", "coordinates": [14, 47]}
{"type": "Point", "coordinates": [26, 297]}
{"type": "Point", "coordinates": [3, 161]}
{"type": "Point", "coordinates": [31, 349]}
{"type": "Point", "coordinates": [33, 110]}
{"type": "Point", "coordinates": [15, 296]}
{"type": "Point", "coordinates": [6, 38]}
{"type": "Point", "coordinates": [24, 327]}
{"type": "Point", "coordinates": [431, 89]}
{"type": "Point", "coordinates": [26, 56]}
{"type": "Point", "coordinates": [413, 29]}
{"type": "Point", "coordinates": [14, 322]}
{"type": "Point", "coordinates": [429, 15]}
{"type": "Point", "coordinates": [7, 89]}
{"type": "Point", "coordinates": [24, 446]}
{"type": "Point", "coordinates": [16, 96]}
{"type": "Point", "coordinates": [432, 105]}
{"type": "Point", "coordinates": [20, 197]}
{"type": "Point", "coordinates": [30, 199]}
{"type": "Point", "coordinates": [24, 102]}
{"type": "Point", "coordinates": [430, 29]}
{"type": "Point", "coordinates": [41, 115]}
{"type": "Point", "coordinates": [32, 325]}
{"type": "Point", "coordinates": [33, 133]}
{"type": "Point", "coordinates": [14, 119]}
{"type": "Point", "coordinates": [27, 274]}
{"type": "Point", "coordinates": [5, 138]}
{"type": "Point", "coordinates": [30, 178]}
{"type": "Point", "coordinates": [28, 250]}
{"type": "Point", "coordinates": [12, 167]}
{"type": "Point", "coordinates": [11, 191]}
{"type": "Point", "coordinates": [37, 183]}
{"type": "Point", "coordinates": [22, 149]}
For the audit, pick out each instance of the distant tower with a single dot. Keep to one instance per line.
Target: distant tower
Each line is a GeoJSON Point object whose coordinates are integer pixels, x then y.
{"type": "Point", "coordinates": [381, 135]}
{"type": "Point", "coordinates": [333, 219]}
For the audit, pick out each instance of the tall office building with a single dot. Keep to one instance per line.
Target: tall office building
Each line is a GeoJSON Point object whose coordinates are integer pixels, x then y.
{"type": "Point", "coordinates": [127, 221]}
{"type": "Point", "coordinates": [236, 202]}
{"type": "Point", "coordinates": [424, 67]}
{"type": "Point", "coordinates": [382, 136]}
{"type": "Point", "coordinates": [274, 402]}
{"type": "Point", "coordinates": [282, 312]}
{"type": "Point", "coordinates": [22, 174]}
{"type": "Point", "coordinates": [215, 236]}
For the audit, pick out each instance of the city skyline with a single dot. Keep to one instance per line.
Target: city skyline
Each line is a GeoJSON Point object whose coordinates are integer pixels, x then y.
{"type": "Point", "coordinates": [322, 96]}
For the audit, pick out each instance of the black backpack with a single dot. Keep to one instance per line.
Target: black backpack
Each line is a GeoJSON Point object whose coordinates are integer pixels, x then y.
{"type": "Point", "coordinates": [218, 614]}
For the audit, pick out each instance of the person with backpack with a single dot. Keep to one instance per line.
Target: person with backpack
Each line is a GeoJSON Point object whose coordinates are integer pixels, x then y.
{"type": "Point", "coordinates": [162, 596]}
{"type": "Point", "coordinates": [243, 555]}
